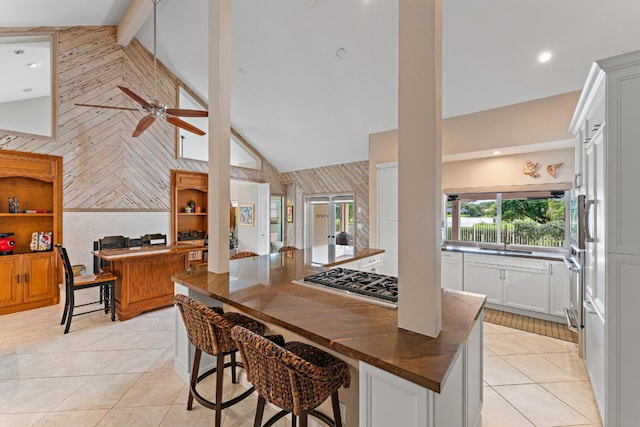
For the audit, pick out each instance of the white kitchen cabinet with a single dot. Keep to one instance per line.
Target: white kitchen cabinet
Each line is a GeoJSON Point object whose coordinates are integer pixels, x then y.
{"type": "Point", "coordinates": [387, 211]}
{"type": "Point", "coordinates": [452, 270]}
{"type": "Point", "coordinates": [372, 264]}
{"type": "Point", "coordinates": [559, 287]}
{"type": "Point", "coordinates": [526, 288]}
{"type": "Point", "coordinates": [483, 279]}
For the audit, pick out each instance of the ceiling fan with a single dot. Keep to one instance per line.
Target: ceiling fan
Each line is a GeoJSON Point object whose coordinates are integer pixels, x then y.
{"type": "Point", "coordinates": [156, 109]}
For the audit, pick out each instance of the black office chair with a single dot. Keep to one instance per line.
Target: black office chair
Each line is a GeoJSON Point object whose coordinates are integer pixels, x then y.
{"type": "Point", "coordinates": [73, 284]}
{"type": "Point", "coordinates": [154, 239]}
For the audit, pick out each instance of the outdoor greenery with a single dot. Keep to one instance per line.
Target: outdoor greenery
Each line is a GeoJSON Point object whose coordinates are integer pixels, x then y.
{"type": "Point", "coordinates": [538, 222]}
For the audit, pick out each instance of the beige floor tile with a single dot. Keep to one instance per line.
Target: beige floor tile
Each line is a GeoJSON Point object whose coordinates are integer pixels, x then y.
{"type": "Point", "coordinates": [503, 345]}
{"type": "Point", "coordinates": [541, 344]}
{"type": "Point", "coordinates": [38, 394]}
{"type": "Point", "coordinates": [164, 362]}
{"type": "Point", "coordinates": [487, 352]}
{"type": "Point", "coordinates": [504, 329]}
{"type": "Point", "coordinates": [178, 416]}
{"type": "Point", "coordinates": [497, 412]}
{"type": "Point", "coordinates": [71, 363]}
{"type": "Point", "coordinates": [150, 416]}
{"type": "Point", "coordinates": [569, 362]}
{"type": "Point", "coordinates": [499, 372]}
{"type": "Point", "coordinates": [153, 339]}
{"type": "Point", "coordinates": [152, 389]}
{"type": "Point", "coordinates": [538, 368]}
{"type": "Point", "coordinates": [72, 418]}
{"type": "Point", "coordinates": [20, 420]}
{"type": "Point", "coordinates": [578, 395]}
{"type": "Point", "coordinates": [132, 361]}
{"type": "Point", "coordinates": [99, 392]}
{"type": "Point", "coordinates": [539, 406]}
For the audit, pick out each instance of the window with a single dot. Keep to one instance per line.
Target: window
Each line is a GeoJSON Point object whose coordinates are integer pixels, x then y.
{"type": "Point", "coordinates": [534, 218]}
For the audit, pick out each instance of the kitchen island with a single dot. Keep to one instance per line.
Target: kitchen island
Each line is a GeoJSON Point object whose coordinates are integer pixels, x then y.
{"type": "Point", "coordinates": [144, 276]}
{"type": "Point", "coordinates": [400, 377]}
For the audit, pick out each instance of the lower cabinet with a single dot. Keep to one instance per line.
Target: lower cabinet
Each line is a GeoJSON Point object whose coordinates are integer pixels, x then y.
{"type": "Point", "coordinates": [451, 270]}
{"type": "Point", "coordinates": [388, 400]}
{"type": "Point", "coordinates": [484, 279]}
{"type": "Point", "coordinates": [559, 287]}
{"type": "Point", "coordinates": [372, 264]}
{"type": "Point", "coordinates": [27, 281]}
{"type": "Point", "coordinates": [534, 285]}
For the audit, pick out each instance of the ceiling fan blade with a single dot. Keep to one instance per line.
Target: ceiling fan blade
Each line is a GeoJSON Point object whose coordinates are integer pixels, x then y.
{"type": "Point", "coordinates": [184, 125]}
{"type": "Point", "coordinates": [107, 106]}
{"type": "Point", "coordinates": [187, 113]}
{"type": "Point", "coordinates": [136, 97]}
{"type": "Point", "coordinates": [143, 124]}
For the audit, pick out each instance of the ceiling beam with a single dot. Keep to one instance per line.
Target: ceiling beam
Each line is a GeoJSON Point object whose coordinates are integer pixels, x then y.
{"type": "Point", "coordinates": [133, 19]}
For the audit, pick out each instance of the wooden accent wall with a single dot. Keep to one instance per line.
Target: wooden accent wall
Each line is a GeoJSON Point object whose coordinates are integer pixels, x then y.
{"type": "Point", "coordinates": [104, 167]}
{"type": "Point", "coordinates": [343, 178]}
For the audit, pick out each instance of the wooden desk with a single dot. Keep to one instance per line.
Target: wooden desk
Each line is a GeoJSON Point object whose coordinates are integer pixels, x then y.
{"type": "Point", "coordinates": [144, 276]}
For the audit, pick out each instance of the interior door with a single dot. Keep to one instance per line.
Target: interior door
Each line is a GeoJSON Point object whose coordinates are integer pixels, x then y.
{"type": "Point", "coordinates": [331, 225]}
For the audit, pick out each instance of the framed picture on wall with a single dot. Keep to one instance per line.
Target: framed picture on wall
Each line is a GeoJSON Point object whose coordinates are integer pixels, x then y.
{"type": "Point", "coordinates": [289, 213]}
{"type": "Point", "coordinates": [245, 215]}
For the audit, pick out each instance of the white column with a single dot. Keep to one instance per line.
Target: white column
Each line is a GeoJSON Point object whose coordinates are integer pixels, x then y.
{"type": "Point", "coordinates": [219, 133]}
{"type": "Point", "coordinates": [419, 159]}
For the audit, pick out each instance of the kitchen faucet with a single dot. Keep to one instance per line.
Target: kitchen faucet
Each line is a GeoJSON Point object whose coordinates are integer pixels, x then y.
{"type": "Point", "coordinates": [504, 238]}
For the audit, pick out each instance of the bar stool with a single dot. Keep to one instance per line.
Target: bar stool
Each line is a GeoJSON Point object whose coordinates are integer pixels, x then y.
{"type": "Point", "coordinates": [208, 330]}
{"type": "Point", "coordinates": [294, 376]}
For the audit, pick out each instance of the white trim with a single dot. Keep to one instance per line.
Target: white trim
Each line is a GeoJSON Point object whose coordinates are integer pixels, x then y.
{"type": "Point", "coordinates": [386, 165]}
{"type": "Point", "coordinates": [506, 151]}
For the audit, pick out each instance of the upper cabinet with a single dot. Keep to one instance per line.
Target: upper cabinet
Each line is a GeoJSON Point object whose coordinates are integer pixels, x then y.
{"type": "Point", "coordinates": [30, 202]}
{"type": "Point", "coordinates": [189, 204]}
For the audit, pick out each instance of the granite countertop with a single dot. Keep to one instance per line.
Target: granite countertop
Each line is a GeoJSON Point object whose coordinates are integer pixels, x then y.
{"type": "Point", "coordinates": [262, 287]}
{"type": "Point", "coordinates": [548, 255]}
{"type": "Point", "coordinates": [121, 253]}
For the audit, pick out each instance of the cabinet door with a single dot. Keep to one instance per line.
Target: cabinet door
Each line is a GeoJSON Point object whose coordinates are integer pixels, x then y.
{"type": "Point", "coordinates": [594, 353]}
{"type": "Point", "coordinates": [38, 276]}
{"type": "Point", "coordinates": [484, 279]}
{"type": "Point", "coordinates": [451, 271]}
{"type": "Point", "coordinates": [526, 289]}
{"type": "Point", "coordinates": [559, 287]}
{"type": "Point", "coordinates": [9, 273]}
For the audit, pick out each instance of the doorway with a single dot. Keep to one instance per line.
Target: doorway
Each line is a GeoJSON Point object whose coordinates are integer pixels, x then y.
{"type": "Point", "coordinates": [276, 216]}
{"type": "Point", "coordinates": [331, 220]}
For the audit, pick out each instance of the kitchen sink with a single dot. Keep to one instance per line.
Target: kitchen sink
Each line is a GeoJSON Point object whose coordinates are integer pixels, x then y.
{"type": "Point", "coordinates": [505, 251]}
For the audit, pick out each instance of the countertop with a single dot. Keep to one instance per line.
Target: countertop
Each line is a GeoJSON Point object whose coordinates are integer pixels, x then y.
{"type": "Point", "coordinates": [552, 256]}
{"type": "Point", "coordinates": [262, 287]}
{"type": "Point", "coordinates": [122, 253]}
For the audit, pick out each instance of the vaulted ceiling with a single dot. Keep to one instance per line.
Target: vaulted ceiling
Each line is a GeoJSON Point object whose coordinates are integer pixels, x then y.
{"type": "Point", "coordinates": [311, 79]}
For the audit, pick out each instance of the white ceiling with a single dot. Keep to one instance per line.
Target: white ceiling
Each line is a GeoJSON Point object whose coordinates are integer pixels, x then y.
{"type": "Point", "coordinates": [302, 106]}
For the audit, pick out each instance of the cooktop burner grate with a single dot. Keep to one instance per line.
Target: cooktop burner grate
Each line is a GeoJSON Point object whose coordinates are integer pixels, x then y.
{"type": "Point", "coordinates": [369, 285]}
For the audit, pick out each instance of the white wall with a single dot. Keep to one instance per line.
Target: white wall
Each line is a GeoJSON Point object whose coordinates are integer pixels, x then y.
{"type": "Point", "coordinates": [81, 229]}
{"type": "Point", "coordinates": [28, 116]}
{"type": "Point", "coordinates": [246, 193]}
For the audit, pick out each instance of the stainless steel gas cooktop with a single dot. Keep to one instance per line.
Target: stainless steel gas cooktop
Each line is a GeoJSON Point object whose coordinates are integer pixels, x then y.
{"type": "Point", "coordinates": [371, 287]}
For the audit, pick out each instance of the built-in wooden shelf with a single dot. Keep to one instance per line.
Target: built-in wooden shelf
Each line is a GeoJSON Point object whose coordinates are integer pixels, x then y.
{"type": "Point", "coordinates": [17, 215]}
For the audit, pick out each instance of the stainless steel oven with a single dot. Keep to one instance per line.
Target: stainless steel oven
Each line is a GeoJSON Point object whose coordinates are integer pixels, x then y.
{"type": "Point", "coordinates": [575, 262]}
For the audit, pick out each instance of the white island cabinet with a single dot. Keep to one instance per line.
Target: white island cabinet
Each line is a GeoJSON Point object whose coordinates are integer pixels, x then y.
{"type": "Point", "coordinates": [388, 400]}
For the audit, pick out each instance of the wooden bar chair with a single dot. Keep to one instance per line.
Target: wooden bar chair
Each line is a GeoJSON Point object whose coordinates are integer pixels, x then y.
{"type": "Point", "coordinates": [294, 376]}
{"type": "Point", "coordinates": [208, 329]}
{"type": "Point", "coordinates": [73, 284]}
{"type": "Point", "coordinates": [287, 249]}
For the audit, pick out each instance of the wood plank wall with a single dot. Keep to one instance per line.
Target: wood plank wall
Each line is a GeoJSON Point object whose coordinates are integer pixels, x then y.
{"type": "Point", "coordinates": [352, 178]}
{"type": "Point", "coordinates": [104, 167]}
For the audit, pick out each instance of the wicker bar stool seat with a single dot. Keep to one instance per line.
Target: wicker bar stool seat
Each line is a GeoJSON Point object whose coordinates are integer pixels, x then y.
{"type": "Point", "coordinates": [209, 329]}
{"type": "Point", "coordinates": [287, 249]}
{"type": "Point", "coordinates": [294, 376]}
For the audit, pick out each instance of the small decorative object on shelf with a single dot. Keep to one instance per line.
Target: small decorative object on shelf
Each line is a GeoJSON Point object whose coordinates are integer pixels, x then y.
{"type": "Point", "coordinates": [14, 205]}
{"type": "Point", "coordinates": [198, 209]}
{"type": "Point", "coordinates": [41, 241]}
{"type": "Point", "coordinates": [7, 242]}
{"type": "Point", "coordinates": [553, 169]}
{"type": "Point", "coordinates": [530, 169]}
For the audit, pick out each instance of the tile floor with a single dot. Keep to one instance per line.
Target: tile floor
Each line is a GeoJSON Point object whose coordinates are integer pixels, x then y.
{"type": "Point", "coordinates": [121, 374]}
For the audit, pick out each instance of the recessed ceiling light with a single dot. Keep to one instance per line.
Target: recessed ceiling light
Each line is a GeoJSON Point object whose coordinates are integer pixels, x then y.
{"type": "Point", "coordinates": [341, 53]}
{"type": "Point", "coordinates": [496, 153]}
{"type": "Point", "coordinates": [544, 57]}
{"type": "Point", "coordinates": [32, 64]}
